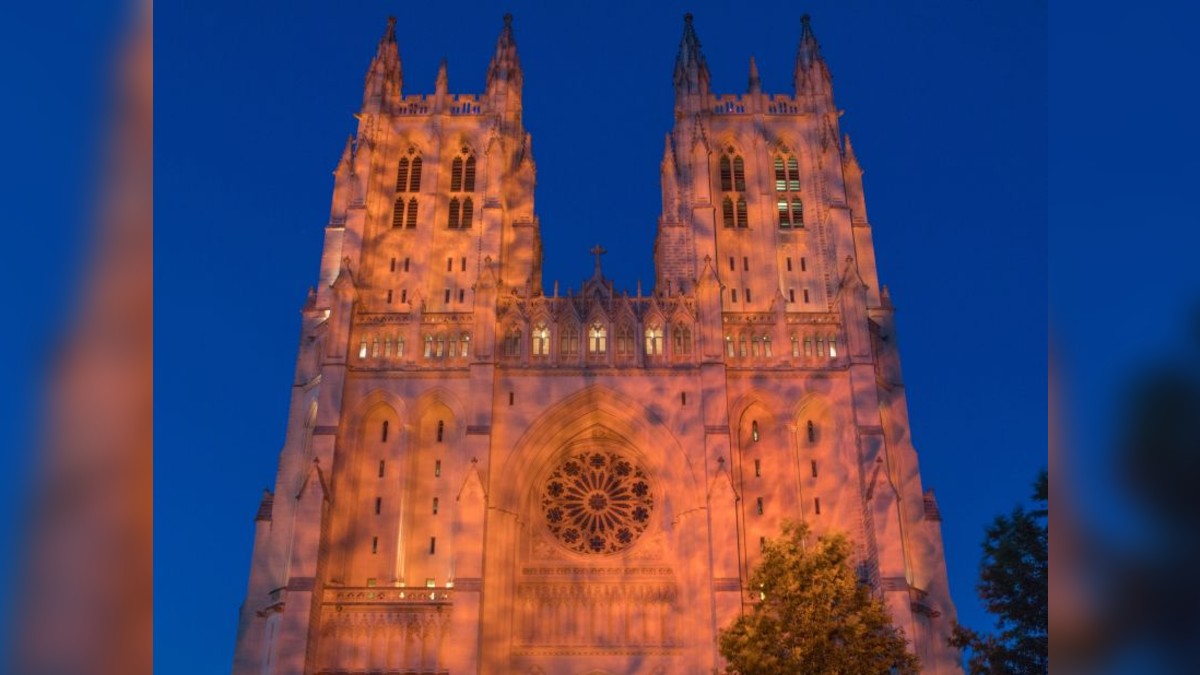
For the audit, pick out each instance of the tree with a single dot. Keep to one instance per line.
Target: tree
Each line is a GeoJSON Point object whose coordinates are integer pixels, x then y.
{"type": "Point", "coordinates": [813, 617]}
{"type": "Point", "coordinates": [1013, 578]}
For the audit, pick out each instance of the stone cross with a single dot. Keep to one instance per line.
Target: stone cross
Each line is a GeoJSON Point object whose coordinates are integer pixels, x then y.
{"type": "Point", "coordinates": [597, 251]}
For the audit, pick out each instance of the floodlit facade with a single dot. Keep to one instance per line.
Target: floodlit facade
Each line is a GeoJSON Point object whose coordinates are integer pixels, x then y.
{"type": "Point", "coordinates": [481, 475]}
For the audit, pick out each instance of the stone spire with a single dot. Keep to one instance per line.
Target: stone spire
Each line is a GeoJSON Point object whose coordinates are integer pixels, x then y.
{"type": "Point", "coordinates": [504, 77]}
{"type": "Point", "coordinates": [442, 84]}
{"type": "Point", "coordinates": [385, 75]}
{"type": "Point", "coordinates": [691, 70]}
{"type": "Point", "coordinates": [755, 81]}
{"type": "Point", "coordinates": [670, 186]}
{"type": "Point", "coordinates": [812, 74]}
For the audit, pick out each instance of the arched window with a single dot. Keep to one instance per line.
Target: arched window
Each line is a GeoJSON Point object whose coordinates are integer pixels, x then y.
{"type": "Point", "coordinates": [808, 350]}
{"type": "Point", "coordinates": [468, 209]}
{"type": "Point", "coordinates": [820, 345]}
{"type": "Point", "coordinates": [812, 432]}
{"type": "Point", "coordinates": [402, 175]}
{"type": "Point", "coordinates": [729, 345]}
{"type": "Point", "coordinates": [597, 339]}
{"type": "Point", "coordinates": [375, 348]}
{"type": "Point", "coordinates": [462, 183]}
{"type": "Point", "coordinates": [754, 431]}
{"type": "Point", "coordinates": [624, 341]}
{"type": "Point", "coordinates": [756, 346]}
{"type": "Point", "coordinates": [789, 203]}
{"type": "Point", "coordinates": [512, 342]}
{"type": "Point", "coordinates": [832, 346]}
{"type": "Point", "coordinates": [466, 345]}
{"type": "Point", "coordinates": [541, 340]}
{"type": "Point", "coordinates": [732, 174]}
{"type": "Point", "coordinates": [469, 175]}
{"type": "Point", "coordinates": [441, 431]}
{"type": "Point", "coordinates": [742, 345]}
{"type": "Point", "coordinates": [441, 346]}
{"type": "Point", "coordinates": [683, 340]}
{"type": "Point", "coordinates": [456, 174]}
{"type": "Point", "coordinates": [569, 343]}
{"type": "Point", "coordinates": [795, 345]}
{"type": "Point", "coordinates": [767, 346]}
{"type": "Point", "coordinates": [453, 346]}
{"type": "Point", "coordinates": [414, 176]}
{"type": "Point", "coordinates": [383, 435]}
{"type": "Point", "coordinates": [411, 220]}
{"type": "Point", "coordinates": [428, 346]}
{"type": "Point", "coordinates": [397, 214]}
{"type": "Point", "coordinates": [654, 340]}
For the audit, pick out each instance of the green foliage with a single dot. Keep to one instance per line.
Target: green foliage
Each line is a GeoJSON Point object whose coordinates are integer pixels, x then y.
{"type": "Point", "coordinates": [1013, 577]}
{"type": "Point", "coordinates": [813, 618]}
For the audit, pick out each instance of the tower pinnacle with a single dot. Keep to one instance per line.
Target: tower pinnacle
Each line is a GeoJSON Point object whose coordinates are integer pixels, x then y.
{"type": "Point", "coordinates": [385, 74]}
{"type": "Point", "coordinates": [691, 71]}
{"type": "Point", "coordinates": [812, 78]}
{"type": "Point", "coordinates": [505, 64]}
{"type": "Point", "coordinates": [755, 81]}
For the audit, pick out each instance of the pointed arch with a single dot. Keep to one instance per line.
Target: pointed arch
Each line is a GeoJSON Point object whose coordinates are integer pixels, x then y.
{"type": "Point", "coordinates": [598, 412]}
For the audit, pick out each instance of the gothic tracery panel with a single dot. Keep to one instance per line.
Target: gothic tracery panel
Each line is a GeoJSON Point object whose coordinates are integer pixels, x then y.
{"type": "Point", "coordinates": [597, 502]}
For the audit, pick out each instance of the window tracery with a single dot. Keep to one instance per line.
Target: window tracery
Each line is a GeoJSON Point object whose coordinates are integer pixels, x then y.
{"type": "Point", "coordinates": [597, 502]}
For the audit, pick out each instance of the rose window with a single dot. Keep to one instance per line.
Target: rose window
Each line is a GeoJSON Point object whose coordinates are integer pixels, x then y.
{"type": "Point", "coordinates": [597, 502]}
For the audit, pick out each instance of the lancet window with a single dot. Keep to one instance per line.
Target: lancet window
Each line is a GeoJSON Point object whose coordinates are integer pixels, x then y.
{"type": "Point", "coordinates": [788, 202]}
{"type": "Point", "coordinates": [541, 340]}
{"type": "Point", "coordinates": [732, 171]}
{"type": "Point", "coordinates": [597, 339]}
{"type": "Point", "coordinates": [408, 184]}
{"type": "Point", "coordinates": [462, 185]}
{"type": "Point", "coordinates": [654, 340]}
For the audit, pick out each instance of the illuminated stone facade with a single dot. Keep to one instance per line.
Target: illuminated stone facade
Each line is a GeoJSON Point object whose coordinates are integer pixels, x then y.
{"type": "Point", "coordinates": [483, 477]}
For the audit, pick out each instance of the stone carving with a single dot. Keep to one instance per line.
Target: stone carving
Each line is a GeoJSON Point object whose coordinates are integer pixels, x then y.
{"type": "Point", "coordinates": [597, 502]}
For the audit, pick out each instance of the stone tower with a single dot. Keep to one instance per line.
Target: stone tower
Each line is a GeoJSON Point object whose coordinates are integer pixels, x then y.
{"type": "Point", "coordinates": [479, 477]}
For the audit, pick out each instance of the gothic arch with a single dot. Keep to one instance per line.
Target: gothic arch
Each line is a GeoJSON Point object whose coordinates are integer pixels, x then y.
{"type": "Point", "coordinates": [434, 396]}
{"type": "Point", "coordinates": [772, 403]}
{"type": "Point", "coordinates": [582, 415]}
{"type": "Point", "coordinates": [367, 406]}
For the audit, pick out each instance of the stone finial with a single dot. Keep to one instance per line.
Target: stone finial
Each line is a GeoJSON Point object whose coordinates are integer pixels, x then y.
{"type": "Point", "coordinates": [691, 70]}
{"type": "Point", "coordinates": [442, 83]}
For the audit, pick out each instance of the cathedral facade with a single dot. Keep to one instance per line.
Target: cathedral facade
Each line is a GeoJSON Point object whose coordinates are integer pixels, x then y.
{"type": "Point", "coordinates": [481, 475]}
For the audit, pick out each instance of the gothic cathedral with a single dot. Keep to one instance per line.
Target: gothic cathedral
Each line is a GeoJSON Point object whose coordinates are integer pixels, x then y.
{"type": "Point", "coordinates": [484, 476]}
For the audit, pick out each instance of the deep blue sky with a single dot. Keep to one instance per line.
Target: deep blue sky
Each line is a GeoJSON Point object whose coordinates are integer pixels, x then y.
{"type": "Point", "coordinates": [946, 103]}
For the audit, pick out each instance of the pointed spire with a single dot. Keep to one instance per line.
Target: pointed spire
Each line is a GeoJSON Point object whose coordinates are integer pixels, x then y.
{"type": "Point", "coordinates": [385, 75]}
{"type": "Point", "coordinates": [691, 70]}
{"type": "Point", "coordinates": [811, 77]}
{"type": "Point", "coordinates": [504, 71]}
{"type": "Point", "coordinates": [442, 84]}
{"type": "Point", "coordinates": [849, 152]}
{"type": "Point", "coordinates": [809, 50]}
{"type": "Point", "coordinates": [346, 163]}
{"type": "Point", "coordinates": [755, 81]}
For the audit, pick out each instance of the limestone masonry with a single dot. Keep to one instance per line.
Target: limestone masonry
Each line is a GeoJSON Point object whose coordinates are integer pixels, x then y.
{"type": "Point", "coordinates": [481, 475]}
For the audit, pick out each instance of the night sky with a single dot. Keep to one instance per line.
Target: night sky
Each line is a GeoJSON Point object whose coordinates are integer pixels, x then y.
{"type": "Point", "coordinates": [946, 103]}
